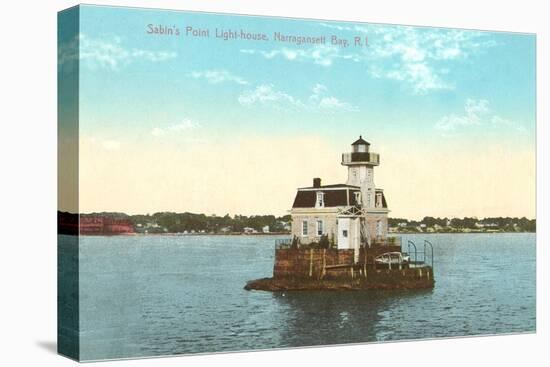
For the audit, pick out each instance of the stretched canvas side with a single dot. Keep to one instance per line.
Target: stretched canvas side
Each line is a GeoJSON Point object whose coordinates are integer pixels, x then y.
{"type": "Point", "coordinates": [68, 343]}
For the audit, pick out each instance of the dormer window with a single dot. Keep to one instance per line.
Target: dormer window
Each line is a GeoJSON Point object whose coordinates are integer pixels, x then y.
{"type": "Point", "coordinates": [320, 202]}
{"type": "Point", "coordinates": [378, 199]}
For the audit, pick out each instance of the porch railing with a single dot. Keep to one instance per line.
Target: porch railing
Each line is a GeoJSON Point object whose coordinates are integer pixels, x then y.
{"type": "Point", "coordinates": [283, 243]}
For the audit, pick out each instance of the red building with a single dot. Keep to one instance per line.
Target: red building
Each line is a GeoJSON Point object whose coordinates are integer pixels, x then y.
{"type": "Point", "coordinates": [91, 225]}
{"type": "Point", "coordinates": [116, 226]}
{"type": "Point", "coordinates": [103, 225]}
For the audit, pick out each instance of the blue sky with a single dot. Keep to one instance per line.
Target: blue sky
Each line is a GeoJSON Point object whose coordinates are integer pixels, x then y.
{"type": "Point", "coordinates": [404, 82]}
{"type": "Point", "coordinates": [411, 85]}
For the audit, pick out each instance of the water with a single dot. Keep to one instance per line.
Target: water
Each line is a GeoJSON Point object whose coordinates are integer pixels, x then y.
{"type": "Point", "coordinates": [159, 295]}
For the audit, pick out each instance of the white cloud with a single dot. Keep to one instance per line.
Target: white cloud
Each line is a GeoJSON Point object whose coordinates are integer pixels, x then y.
{"type": "Point", "coordinates": [498, 121]}
{"type": "Point", "coordinates": [321, 54]}
{"type": "Point", "coordinates": [333, 103]}
{"type": "Point", "coordinates": [266, 94]}
{"type": "Point", "coordinates": [417, 57]}
{"type": "Point", "coordinates": [184, 125]}
{"type": "Point", "coordinates": [419, 76]}
{"type": "Point", "coordinates": [349, 28]}
{"type": "Point", "coordinates": [319, 88]}
{"type": "Point", "coordinates": [476, 112]}
{"type": "Point", "coordinates": [180, 127]}
{"type": "Point", "coordinates": [108, 54]}
{"type": "Point", "coordinates": [319, 100]}
{"type": "Point", "coordinates": [154, 56]}
{"type": "Point", "coordinates": [336, 26]}
{"type": "Point", "coordinates": [475, 108]}
{"type": "Point", "coordinates": [218, 76]}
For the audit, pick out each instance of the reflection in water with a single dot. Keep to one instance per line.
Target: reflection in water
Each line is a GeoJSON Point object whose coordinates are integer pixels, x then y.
{"type": "Point", "coordinates": [322, 318]}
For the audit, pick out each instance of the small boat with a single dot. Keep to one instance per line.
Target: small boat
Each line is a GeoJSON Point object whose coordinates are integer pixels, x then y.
{"type": "Point", "coordinates": [393, 258]}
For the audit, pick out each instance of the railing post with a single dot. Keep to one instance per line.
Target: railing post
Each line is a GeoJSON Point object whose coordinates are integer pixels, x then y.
{"type": "Point", "coordinates": [310, 262]}
{"type": "Point", "coordinates": [409, 247]}
{"type": "Point", "coordinates": [425, 252]}
{"type": "Point", "coordinates": [426, 242]}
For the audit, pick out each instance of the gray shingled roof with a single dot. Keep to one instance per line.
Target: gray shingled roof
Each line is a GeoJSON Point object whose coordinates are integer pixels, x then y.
{"type": "Point", "coordinates": [360, 141]}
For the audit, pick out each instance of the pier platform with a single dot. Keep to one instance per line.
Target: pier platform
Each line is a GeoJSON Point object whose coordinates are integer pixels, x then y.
{"type": "Point", "coordinates": [314, 268]}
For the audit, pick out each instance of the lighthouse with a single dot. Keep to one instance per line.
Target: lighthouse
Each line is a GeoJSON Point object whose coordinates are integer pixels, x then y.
{"type": "Point", "coordinates": [361, 162]}
{"type": "Point", "coordinates": [349, 215]}
{"type": "Point", "coordinates": [340, 234]}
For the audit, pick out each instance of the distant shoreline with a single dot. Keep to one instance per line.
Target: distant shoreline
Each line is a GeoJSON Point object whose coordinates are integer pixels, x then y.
{"type": "Point", "coordinates": [178, 234]}
{"type": "Point", "coordinates": [168, 223]}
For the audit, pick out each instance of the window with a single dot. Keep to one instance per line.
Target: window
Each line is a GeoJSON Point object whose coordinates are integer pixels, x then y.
{"type": "Point", "coordinates": [319, 228]}
{"type": "Point", "coordinates": [345, 233]}
{"type": "Point", "coordinates": [379, 228]}
{"type": "Point", "coordinates": [378, 200]}
{"type": "Point", "coordinates": [304, 228]}
{"type": "Point", "coordinates": [320, 203]}
{"type": "Point", "coordinates": [358, 197]}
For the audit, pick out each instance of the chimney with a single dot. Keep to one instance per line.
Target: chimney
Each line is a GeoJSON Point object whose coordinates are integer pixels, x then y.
{"type": "Point", "coordinates": [317, 182]}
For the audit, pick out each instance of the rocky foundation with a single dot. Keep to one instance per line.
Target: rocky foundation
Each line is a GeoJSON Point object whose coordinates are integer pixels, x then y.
{"type": "Point", "coordinates": [416, 278]}
{"type": "Point", "coordinates": [331, 269]}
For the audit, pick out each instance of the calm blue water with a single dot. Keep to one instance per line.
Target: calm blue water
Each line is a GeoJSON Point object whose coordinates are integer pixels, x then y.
{"type": "Point", "coordinates": [158, 295]}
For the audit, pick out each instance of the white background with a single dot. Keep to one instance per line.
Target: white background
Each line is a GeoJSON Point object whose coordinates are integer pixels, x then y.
{"type": "Point", "coordinates": [28, 183]}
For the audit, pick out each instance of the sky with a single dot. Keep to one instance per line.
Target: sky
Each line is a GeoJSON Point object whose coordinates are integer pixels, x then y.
{"type": "Point", "coordinates": [207, 125]}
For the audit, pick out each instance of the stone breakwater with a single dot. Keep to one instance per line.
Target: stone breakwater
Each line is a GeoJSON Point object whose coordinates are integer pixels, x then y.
{"type": "Point", "coordinates": [331, 269]}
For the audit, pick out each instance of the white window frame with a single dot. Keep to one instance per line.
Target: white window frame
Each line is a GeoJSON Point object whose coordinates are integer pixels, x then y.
{"type": "Point", "coordinates": [378, 202]}
{"type": "Point", "coordinates": [320, 227]}
{"type": "Point", "coordinates": [379, 227]}
{"type": "Point", "coordinates": [320, 199]}
{"type": "Point", "coordinates": [305, 228]}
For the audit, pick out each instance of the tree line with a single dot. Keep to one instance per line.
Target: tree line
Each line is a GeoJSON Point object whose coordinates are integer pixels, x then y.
{"type": "Point", "coordinates": [505, 224]}
{"type": "Point", "coordinates": [181, 222]}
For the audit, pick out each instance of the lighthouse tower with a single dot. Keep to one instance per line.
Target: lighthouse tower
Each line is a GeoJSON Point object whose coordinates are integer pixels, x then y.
{"type": "Point", "coordinates": [361, 162]}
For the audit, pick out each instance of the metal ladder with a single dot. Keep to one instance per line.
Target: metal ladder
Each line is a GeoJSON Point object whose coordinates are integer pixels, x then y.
{"type": "Point", "coordinates": [427, 245]}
